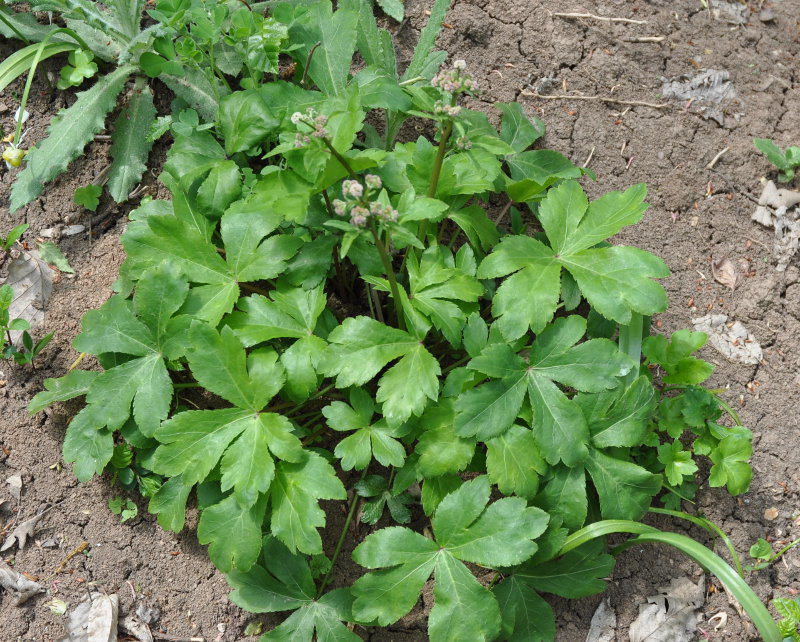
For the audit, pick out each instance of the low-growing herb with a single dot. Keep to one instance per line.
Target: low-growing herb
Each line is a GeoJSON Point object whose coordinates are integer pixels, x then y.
{"type": "Point", "coordinates": [364, 329]}
{"type": "Point", "coordinates": [787, 161]}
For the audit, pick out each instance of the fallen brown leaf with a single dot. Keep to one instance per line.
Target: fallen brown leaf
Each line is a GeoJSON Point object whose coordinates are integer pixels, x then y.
{"type": "Point", "coordinates": [725, 273]}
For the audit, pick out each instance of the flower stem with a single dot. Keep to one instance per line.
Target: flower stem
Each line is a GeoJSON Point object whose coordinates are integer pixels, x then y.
{"type": "Point", "coordinates": [387, 266]}
{"type": "Point", "coordinates": [342, 160]}
{"type": "Point", "coordinates": [350, 513]}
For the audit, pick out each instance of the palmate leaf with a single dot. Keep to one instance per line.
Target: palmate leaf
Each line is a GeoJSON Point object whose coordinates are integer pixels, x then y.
{"type": "Point", "coordinates": [68, 134]}
{"type": "Point", "coordinates": [284, 583]}
{"type": "Point", "coordinates": [131, 144]}
{"type": "Point", "coordinates": [253, 252]}
{"type": "Point", "coordinates": [291, 314]}
{"type": "Point", "coordinates": [577, 574]}
{"type": "Point", "coordinates": [559, 427]}
{"type": "Point", "coordinates": [258, 455]}
{"type": "Point", "coordinates": [615, 280]}
{"type": "Point", "coordinates": [74, 384]}
{"type": "Point", "coordinates": [526, 617]}
{"type": "Point", "coordinates": [369, 440]}
{"type": "Point", "coordinates": [436, 284]}
{"type": "Point", "coordinates": [361, 347]}
{"type": "Point", "coordinates": [465, 530]}
{"type": "Point", "coordinates": [140, 384]}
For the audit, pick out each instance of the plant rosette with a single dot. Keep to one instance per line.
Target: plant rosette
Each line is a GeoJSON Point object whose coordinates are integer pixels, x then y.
{"type": "Point", "coordinates": [363, 327]}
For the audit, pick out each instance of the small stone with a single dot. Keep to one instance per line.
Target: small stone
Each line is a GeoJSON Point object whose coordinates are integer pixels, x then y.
{"type": "Point", "coordinates": [771, 513]}
{"type": "Point", "coordinates": [767, 14]}
{"type": "Point", "coordinates": [3, 108]}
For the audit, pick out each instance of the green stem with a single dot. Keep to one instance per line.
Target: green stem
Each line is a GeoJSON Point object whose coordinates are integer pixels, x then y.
{"type": "Point", "coordinates": [350, 513]}
{"type": "Point", "coordinates": [342, 160]}
{"type": "Point", "coordinates": [34, 64]}
{"type": "Point", "coordinates": [296, 407]}
{"type": "Point", "coordinates": [436, 173]}
{"type": "Point", "coordinates": [387, 266]}
{"type": "Point", "coordinates": [308, 64]}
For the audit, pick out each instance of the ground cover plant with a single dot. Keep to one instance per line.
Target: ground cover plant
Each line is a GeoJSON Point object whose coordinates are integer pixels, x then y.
{"type": "Point", "coordinates": [351, 305]}
{"type": "Point", "coordinates": [129, 43]}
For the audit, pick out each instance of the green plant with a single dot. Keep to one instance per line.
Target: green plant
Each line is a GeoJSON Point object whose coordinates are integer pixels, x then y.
{"type": "Point", "coordinates": [8, 346]}
{"type": "Point", "coordinates": [362, 321]}
{"type": "Point", "coordinates": [125, 508]}
{"type": "Point", "coordinates": [13, 236]}
{"type": "Point", "coordinates": [789, 610]}
{"type": "Point", "coordinates": [110, 33]}
{"type": "Point", "coordinates": [786, 161]}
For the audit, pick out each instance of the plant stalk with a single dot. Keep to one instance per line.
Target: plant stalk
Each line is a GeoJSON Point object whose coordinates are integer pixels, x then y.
{"type": "Point", "coordinates": [387, 266]}
{"type": "Point", "coordinates": [436, 173]}
{"type": "Point", "coordinates": [350, 513]}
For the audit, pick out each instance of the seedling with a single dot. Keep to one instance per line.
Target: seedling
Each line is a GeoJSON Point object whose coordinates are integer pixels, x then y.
{"type": "Point", "coordinates": [13, 236]}
{"type": "Point", "coordinates": [787, 161]}
{"type": "Point", "coordinates": [30, 349]}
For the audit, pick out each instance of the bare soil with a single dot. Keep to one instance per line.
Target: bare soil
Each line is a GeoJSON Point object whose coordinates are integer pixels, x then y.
{"type": "Point", "coordinates": [516, 48]}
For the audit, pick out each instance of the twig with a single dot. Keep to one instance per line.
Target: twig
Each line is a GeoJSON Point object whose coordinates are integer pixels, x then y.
{"type": "Point", "coordinates": [645, 39]}
{"type": "Point", "coordinates": [588, 158]}
{"type": "Point", "coordinates": [604, 99]}
{"type": "Point", "coordinates": [603, 18]}
{"type": "Point", "coordinates": [158, 635]}
{"type": "Point", "coordinates": [78, 549]}
{"type": "Point", "coordinates": [714, 160]}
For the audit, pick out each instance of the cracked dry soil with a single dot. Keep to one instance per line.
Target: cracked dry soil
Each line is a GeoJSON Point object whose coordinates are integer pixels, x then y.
{"type": "Point", "coordinates": [515, 48]}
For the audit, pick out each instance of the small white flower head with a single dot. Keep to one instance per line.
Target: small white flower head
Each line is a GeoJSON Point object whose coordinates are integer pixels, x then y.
{"type": "Point", "coordinates": [339, 206]}
{"type": "Point", "coordinates": [389, 215]}
{"type": "Point", "coordinates": [321, 120]}
{"type": "Point", "coordinates": [453, 110]}
{"type": "Point", "coordinates": [372, 181]}
{"type": "Point", "coordinates": [460, 64]}
{"type": "Point", "coordinates": [358, 216]}
{"type": "Point", "coordinates": [296, 118]}
{"type": "Point", "coordinates": [352, 189]}
{"type": "Point", "coordinates": [376, 207]}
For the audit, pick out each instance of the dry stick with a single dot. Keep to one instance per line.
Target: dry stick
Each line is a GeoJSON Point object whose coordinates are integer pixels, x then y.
{"type": "Point", "coordinates": [158, 635]}
{"type": "Point", "coordinates": [645, 39]}
{"type": "Point", "coordinates": [714, 160]}
{"type": "Point", "coordinates": [588, 158]}
{"type": "Point", "coordinates": [603, 18]}
{"type": "Point", "coordinates": [604, 99]}
{"type": "Point", "coordinates": [78, 549]}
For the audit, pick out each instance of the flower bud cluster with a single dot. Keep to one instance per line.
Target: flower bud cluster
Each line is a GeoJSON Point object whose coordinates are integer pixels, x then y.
{"type": "Point", "coordinates": [441, 108]}
{"type": "Point", "coordinates": [357, 203]}
{"type": "Point", "coordinates": [312, 124]}
{"type": "Point", "coordinates": [455, 80]}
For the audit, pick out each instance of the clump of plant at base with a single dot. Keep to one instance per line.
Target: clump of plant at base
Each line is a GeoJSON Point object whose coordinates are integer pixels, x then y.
{"type": "Point", "coordinates": [365, 319]}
